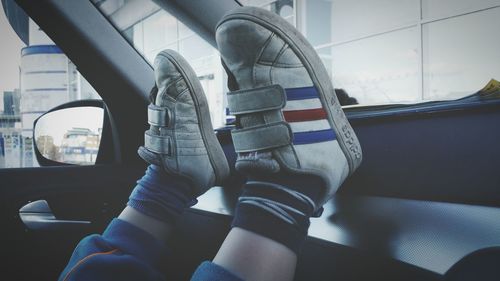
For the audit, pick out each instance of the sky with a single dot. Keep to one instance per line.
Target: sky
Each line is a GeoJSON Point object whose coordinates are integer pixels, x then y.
{"type": "Point", "coordinates": [10, 56]}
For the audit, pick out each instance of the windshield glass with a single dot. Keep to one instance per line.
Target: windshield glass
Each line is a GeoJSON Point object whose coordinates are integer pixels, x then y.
{"type": "Point", "coordinates": [379, 52]}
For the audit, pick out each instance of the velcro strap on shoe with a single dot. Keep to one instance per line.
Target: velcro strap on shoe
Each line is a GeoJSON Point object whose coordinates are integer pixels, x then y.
{"type": "Point", "coordinates": [262, 137]}
{"type": "Point", "coordinates": [158, 144]}
{"type": "Point", "coordinates": [158, 116]}
{"type": "Point", "coordinates": [256, 100]}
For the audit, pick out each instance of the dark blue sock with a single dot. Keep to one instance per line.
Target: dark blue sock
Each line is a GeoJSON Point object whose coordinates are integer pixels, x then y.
{"type": "Point", "coordinates": [279, 207]}
{"type": "Point", "coordinates": [161, 196]}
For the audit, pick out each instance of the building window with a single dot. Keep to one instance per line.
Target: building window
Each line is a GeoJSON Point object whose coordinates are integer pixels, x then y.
{"type": "Point", "coordinates": [401, 51]}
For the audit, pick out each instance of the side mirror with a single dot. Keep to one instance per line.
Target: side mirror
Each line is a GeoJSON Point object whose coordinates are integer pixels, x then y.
{"type": "Point", "coordinates": [75, 133]}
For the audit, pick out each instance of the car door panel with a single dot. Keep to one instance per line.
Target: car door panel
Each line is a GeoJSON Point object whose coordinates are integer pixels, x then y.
{"type": "Point", "coordinates": [90, 193]}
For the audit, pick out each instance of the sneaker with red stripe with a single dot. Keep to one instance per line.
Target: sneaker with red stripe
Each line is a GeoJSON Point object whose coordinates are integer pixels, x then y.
{"type": "Point", "coordinates": [288, 115]}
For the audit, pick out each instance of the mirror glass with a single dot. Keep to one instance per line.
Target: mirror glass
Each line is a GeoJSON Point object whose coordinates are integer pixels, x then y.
{"type": "Point", "coordinates": [70, 135]}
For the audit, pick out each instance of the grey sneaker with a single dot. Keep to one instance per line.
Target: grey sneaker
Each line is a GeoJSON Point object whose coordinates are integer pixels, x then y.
{"type": "Point", "coordinates": [181, 138]}
{"type": "Point", "coordinates": [288, 115]}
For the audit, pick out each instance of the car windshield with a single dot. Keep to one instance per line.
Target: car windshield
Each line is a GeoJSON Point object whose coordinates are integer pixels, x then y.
{"type": "Point", "coordinates": [378, 52]}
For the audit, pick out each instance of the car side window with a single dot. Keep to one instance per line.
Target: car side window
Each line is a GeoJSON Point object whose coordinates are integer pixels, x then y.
{"type": "Point", "coordinates": [35, 76]}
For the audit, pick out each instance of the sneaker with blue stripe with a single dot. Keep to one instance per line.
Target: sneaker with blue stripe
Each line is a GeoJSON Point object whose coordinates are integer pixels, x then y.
{"type": "Point", "coordinates": [288, 116]}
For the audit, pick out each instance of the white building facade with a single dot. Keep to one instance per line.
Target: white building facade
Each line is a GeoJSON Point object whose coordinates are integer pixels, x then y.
{"type": "Point", "coordinates": [48, 79]}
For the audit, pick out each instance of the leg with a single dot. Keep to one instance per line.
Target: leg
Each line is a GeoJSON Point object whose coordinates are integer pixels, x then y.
{"type": "Point", "coordinates": [185, 160]}
{"type": "Point", "coordinates": [292, 139]}
{"type": "Point", "coordinates": [180, 143]}
{"type": "Point", "coordinates": [157, 202]}
{"type": "Point", "coordinates": [157, 228]}
{"type": "Point", "coordinates": [267, 236]}
{"type": "Point", "coordinates": [255, 257]}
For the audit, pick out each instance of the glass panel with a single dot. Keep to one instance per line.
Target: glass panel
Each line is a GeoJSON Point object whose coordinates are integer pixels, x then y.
{"type": "Point", "coordinates": [377, 70]}
{"type": "Point", "coordinates": [35, 76]}
{"type": "Point", "coordinates": [255, 3]}
{"type": "Point", "coordinates": [194, 47]}
{"type": "Point", "coordinates": [284, 8]}
{"type": "Point", "coordinates": [461, 54]}
{"type": "Point", "coordinates": [184, 31]}
{"type": "Point", "coordinates": [352, 19]}
{"type": "Point", "coordinates": [318, 31]}
{"type": "Point", "coordinates": [432, 9]}
{"type": "Point", "coordinates": [159, 30]}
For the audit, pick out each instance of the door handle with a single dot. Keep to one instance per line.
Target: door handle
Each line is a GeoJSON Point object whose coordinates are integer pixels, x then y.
{"type": "Point", "coordinates": [38, 216]}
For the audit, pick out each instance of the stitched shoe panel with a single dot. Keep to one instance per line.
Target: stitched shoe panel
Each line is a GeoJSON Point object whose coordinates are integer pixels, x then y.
{"type": "Point", "coordinates": [181, 138]}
